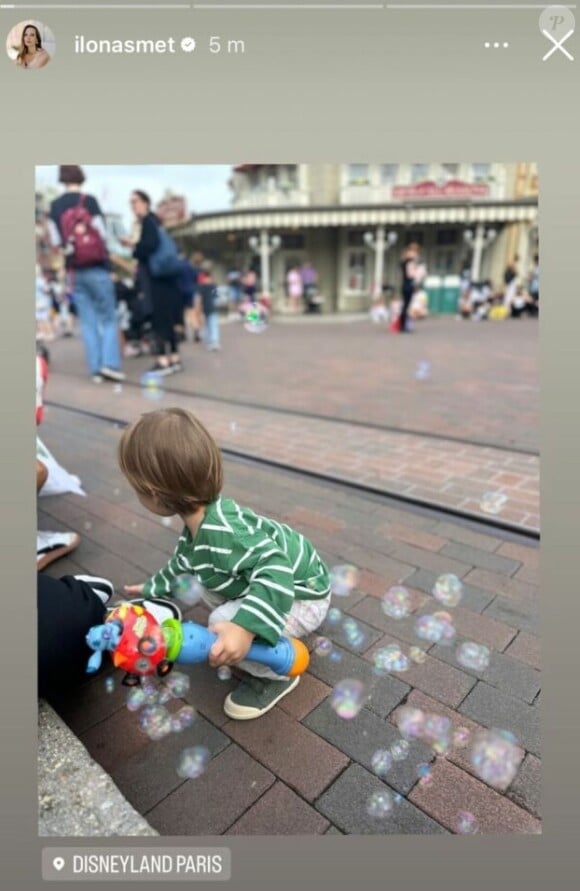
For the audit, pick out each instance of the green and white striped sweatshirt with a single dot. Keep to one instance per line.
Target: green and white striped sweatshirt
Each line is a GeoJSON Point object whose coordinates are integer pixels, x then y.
{"type": "Point", "coordinates": [238, 554]}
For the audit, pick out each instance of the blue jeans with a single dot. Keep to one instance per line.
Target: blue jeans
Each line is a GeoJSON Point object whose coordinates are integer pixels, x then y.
{"type": "Point", "coordinates": [211, 333]}
{"type": "Point", "coordinates": [95, 300]}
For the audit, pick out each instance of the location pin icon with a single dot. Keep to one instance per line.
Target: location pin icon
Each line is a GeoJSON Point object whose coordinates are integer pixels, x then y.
{"type": "Point", "coordinates": [58, 863]}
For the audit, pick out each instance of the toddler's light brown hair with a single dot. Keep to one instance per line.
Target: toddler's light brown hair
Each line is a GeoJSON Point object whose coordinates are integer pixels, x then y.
{"type": "Point", "coordinates": [169, 454]}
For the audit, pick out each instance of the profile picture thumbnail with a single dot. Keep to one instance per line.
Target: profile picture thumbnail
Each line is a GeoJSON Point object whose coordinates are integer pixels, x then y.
{"type": "Point", "coordinates": [30, 44]}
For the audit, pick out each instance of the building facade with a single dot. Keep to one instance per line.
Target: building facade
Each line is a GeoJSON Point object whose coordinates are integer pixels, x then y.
{"type": "Point", "coordinates": [353, 220]}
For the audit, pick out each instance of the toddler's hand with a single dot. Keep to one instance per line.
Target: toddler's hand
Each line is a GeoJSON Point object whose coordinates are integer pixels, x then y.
{"type": "Point", "coordinates": [133, 589]}
{"type": "Point", "coordinates": [232, 644]}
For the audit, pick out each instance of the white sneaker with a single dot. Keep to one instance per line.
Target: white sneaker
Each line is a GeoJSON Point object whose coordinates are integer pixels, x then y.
{"type": "Point", "coordinates": [111, 374]}
{"type": "Point", "coordinates": [103, 588]}
{"type": "Point", "coordinates": [51, 546]}
{"type": "Point", "coordinates": [159, 608]}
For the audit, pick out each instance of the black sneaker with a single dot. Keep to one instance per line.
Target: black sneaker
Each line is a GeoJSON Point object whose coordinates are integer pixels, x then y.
{"type": "Point", "coordinates": [163, 370]}
{"type": "Point", "coordinates": [103, 588]}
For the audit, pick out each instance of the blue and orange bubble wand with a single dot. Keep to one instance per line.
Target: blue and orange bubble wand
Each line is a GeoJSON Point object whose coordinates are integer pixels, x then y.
{"type": "Point", "coordinates": [141, 646]}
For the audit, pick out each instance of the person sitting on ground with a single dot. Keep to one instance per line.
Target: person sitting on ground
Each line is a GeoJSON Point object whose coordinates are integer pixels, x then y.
{"type": "Point", "coordinates": [67, 608]}
{"type": "Point", "coordinates": [519, 302]}
{"type": "Point", "coordinates": [261, 578]}
{"type": "Point", "coordinates": [50, 546]}
{"type": "Point", "coordinates": [419, 308]}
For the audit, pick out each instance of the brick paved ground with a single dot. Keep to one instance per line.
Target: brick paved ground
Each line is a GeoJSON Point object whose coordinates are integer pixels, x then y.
{"type": "Point", "coordinates": [301, 769]}
{"type": "Point", "coordinates": [483, 386]}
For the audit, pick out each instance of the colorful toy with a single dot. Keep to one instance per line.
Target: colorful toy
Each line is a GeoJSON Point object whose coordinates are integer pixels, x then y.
{"type": "Point", "coordinates": [141, 646]}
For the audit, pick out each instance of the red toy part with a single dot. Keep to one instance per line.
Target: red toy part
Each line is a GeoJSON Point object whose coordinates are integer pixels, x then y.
{"type": "Point", "coordinates": [142, 646]}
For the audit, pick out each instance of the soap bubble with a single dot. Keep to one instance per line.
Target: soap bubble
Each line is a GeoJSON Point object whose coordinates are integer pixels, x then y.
{"type": "Point", "coordinates": [152, 386]}
{"type": "Point", "coordinates": [382, 762]}
{"type": "Point", "coordinates": [448, 590]}
{"type": "Point", "coordinates": [410, 721]}
{"type": "Point", "coordinates": [151, 693]}
{"type": "Point", "coordinates": [135, 699]}
{"type": "Point", "coordinates": [186, 716]}
{"type": "Point", "coordinates": [390, 658]}
{"type": "Point", "coordinates": [353, 633]}
{"type": "Point", "coordinates": [417, 655]}
{"type": "Point", "coordinates": [343, 579]}
{"type": "Point", "coordinates": [437, 733]}
{"type": "Point", "coordinates": [167, 522]}
{"type": "Point", "coordinates": [143, 665]}
{"type": "Point", "coordinates": [255, 319]}
{"type": "Point", "coordinates": [492, 502]}
{"type": "Point", "coordinates": [88, 526]}
{"type": "Point", "coordinates": [193, 762]}
{"type": "Point", "coordinates": [334, 616]}
{"type": "Point", "coordinates": [396, 602]}
{"type": "Point", "coordinates": [446, 621]}
{"type": "Point", "coordinates": [428, 628]}
{"type": "Point", "coordinates": [379, 804]}
{"type": "Point", "coordinates": [322, 646]}
{"type": "Point", "coordinates": [495, 757]}
{"type": "Point", "coordinates": [178, 684]}
{"type": "Point", "coordinates": [117, 388]}
{"type": "Point", "coordinates": [347, 698]}
{"type": "Point", "coordinates": [109, 684]}
{"type": "Point", "coordinates": [187, 589]}
{"type": "Point", "coordinates": [465, 823]}
{"type": "Point", "coordinates": [423, 371]}
{"type": "Point", "coordinates": [461, 737]}
{"type": "Point", "coordinates": [473, 655]}
{"type": "Point", "coordinates": [400, 750]}
{"type": "Point", "coordinates": [176, 726]}
{"type": "Point", "coordinates": [155, 721]}
{"type": "Point", "coordinates": [335, 656]}
{"type": "Point", "coordinates": [224, 672]}
{"type": "Point", "coordinates": [424, 774]}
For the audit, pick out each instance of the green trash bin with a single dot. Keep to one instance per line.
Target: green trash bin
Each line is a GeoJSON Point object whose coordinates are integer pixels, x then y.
{"type": "Point", "coordinates": [450, 295]}
{"type": "Point", "coordinates": [434, 290]}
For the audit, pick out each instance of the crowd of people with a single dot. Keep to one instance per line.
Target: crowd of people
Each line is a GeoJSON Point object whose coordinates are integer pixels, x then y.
{"type": "Point", "coordinates": [163, 298]}
{"type": "Point", "coordinates": [519, 296]}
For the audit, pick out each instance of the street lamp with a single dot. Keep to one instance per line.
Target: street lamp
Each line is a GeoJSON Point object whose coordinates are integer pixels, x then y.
{"type": "Point", "coordinates": [478, 241]}
{"type": "Point", "coordinates": [379, 243]}
{"type": "Point", "coordinates": [265, 245]}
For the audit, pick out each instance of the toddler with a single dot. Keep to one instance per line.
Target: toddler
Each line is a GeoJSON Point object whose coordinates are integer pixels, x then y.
{"type": "Point", "coordinates": [261, 578]}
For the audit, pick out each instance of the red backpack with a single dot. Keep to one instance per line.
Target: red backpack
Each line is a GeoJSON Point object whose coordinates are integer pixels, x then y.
{"type": "Point", "coordinates": [83, 244]}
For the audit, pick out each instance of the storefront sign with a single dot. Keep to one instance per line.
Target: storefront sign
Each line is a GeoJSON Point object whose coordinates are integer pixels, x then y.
{"type": "Point", "coordinates": [453, 189]}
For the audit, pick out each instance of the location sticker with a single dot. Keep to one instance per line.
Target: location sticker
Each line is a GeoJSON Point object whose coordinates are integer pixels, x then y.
{"type": "Point", "coordinates": [557, 24]}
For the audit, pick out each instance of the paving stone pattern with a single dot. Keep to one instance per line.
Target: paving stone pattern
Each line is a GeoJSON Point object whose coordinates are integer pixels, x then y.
{"type": "Point", "coordinates": [339, 374]}
{"type": "Point", "coordinates": [301, 768]}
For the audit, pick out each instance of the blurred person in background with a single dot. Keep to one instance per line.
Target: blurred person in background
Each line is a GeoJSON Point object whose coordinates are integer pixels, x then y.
{"type": "Point", "coordinates": [166, 297]}
{"type": "Point", "coordinates": [510, 279]}
{"type": "Point", "coordinates": [409, 271]}
{"type": "Point", "coordinates": [295, 287]}
{"type": "Point", "coordinates": [534, 287]}
{"type": "Point", "coordinates": [78, 225]}
{"type": "Point", "coordinates": [208, 294]}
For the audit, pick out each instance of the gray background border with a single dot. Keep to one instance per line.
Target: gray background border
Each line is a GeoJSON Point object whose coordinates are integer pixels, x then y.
{"type": "Point", "coordinates": [365, 86]}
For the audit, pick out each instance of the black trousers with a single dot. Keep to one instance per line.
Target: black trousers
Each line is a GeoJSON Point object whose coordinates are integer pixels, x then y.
{"type": "Point", "coordinates": [66, 609]}
{"type": "Point", "coordinates": [408, 291]}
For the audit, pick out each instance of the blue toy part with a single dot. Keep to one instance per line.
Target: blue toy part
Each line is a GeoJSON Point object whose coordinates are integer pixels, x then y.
{"type": "Point", "coordinates": [101, 639]}
{"type": "Point", "coordinates": [198, 641]}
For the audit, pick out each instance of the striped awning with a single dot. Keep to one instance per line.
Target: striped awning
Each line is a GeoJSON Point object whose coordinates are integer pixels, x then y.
{"type": "Point", "coordinates": [305, 218]}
